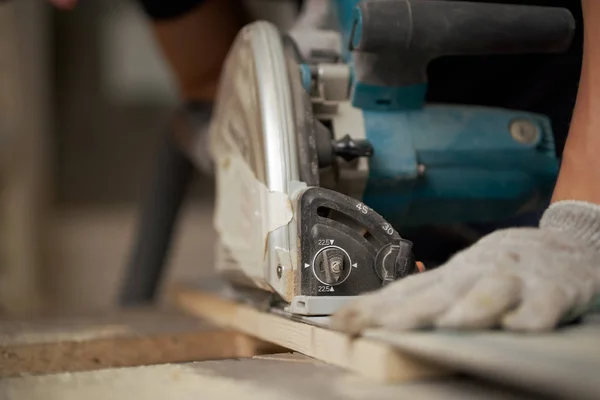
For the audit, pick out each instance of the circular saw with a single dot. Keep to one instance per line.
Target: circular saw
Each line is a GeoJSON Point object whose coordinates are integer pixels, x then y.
{"type": "Point", "coordinates": [285, 223]}
{"type": "Point", "coordinates": [320, 159]}
{"type": "Point", "coordinates": [322, 154]}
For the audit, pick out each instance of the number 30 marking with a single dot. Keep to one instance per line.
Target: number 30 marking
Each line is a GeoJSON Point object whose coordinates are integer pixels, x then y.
{"type": "Point", "coordinates": [388, 229]}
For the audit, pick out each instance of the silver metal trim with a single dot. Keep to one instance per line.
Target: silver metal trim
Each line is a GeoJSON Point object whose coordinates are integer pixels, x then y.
{"type": "Point", "coordinates": [277, 116]}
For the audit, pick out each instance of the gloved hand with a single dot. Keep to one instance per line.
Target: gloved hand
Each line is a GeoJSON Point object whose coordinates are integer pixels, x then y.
{"type": "Point", "coordinates": [521, 279]}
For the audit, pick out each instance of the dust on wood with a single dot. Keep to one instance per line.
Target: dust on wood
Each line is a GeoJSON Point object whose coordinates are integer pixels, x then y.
{"type": "Point", "coordinates": [130, 338]}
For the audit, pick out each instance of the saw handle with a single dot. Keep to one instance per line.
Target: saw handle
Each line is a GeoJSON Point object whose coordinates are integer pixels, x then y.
{"type": "Point", "coordinates": [423, 30]}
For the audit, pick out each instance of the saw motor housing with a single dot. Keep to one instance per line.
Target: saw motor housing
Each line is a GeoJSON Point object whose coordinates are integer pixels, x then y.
{"type": "Point", "coordinates": [354, 154]}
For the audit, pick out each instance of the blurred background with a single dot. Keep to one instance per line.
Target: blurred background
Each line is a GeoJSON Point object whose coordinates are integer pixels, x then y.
{"type": "Point", "coordinates": [84, 98]}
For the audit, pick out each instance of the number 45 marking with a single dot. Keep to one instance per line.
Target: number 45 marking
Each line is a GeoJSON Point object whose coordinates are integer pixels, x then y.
{"type": "Point", "coordinates": [362, 208]}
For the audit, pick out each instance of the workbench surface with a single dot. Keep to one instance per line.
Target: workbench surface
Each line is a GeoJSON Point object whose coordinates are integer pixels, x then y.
{"type": "Point", "coordinates": [152, 354]}
{"type": "Point", "coordinates": [273, 377]}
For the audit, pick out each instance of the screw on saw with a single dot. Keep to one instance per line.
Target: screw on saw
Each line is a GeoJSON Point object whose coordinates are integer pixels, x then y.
{"type": "Point", "coordinates": [524, 131]}
{"type": "Point", "coordinates": [279, 271]}
{"type": "Point", "coordinates": [332, 265]}
{"type": "Point", "coordinates": [336, 266]}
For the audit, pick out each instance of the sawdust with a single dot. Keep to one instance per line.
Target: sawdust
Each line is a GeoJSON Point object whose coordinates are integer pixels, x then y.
{"type": "Point", "coordinates": [93, 332]}
{"type": "Point", "coordinates": [170, 381]}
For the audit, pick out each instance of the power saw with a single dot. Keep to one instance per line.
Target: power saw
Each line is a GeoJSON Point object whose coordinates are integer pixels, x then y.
{"type": "Point", "coordinates": [321, 161]}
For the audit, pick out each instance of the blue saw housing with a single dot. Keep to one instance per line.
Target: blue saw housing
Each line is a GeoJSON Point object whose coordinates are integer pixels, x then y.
{"type": "Point", "coordinates": [436, 164]}
{"type": "Point", "coordinates": [446, 164]}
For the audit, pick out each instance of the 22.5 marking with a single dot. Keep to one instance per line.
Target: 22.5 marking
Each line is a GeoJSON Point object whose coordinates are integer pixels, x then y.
{"type": "Point", "coordinates": [322, 289]}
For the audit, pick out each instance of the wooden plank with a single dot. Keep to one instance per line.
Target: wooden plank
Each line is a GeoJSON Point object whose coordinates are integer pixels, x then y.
{"type": "Point", "coordinates": [278, 377]}
{"type": "Point", "coordinates": [367, 357]}
{"type": "Point", "coordinates": [563, 363]}
{"type": "Point", "coordinates": [136, 337]}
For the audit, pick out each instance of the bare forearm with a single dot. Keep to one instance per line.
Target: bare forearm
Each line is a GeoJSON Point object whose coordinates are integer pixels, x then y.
{"type": "Point", "coordinates": [196, 44]}
{"type": "Point", "coordinates": [579, 176]}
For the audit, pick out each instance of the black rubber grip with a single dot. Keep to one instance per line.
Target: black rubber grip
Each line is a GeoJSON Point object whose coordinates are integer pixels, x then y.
{"type": "Point", "coordinates": [434, 28]}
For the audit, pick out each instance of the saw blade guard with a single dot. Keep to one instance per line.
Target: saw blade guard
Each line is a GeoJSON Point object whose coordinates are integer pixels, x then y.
{"type": "Point", "coordinates": [253, 142]}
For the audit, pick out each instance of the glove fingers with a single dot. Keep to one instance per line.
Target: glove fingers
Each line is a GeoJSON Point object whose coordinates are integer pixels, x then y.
{"type": "Point", "coordinates": [419, 311]}
{"type": "Point", "coordinates": [365, 311]}
{"type": "Point", "coordinates": [421, 308]}
{"type": "Point", "coordinates": [357, 314]}
{"type": "Point", "coordinates": [484, 305]}
{"type": "Point", "coordinates": [414, 283]}
{"type": "Point", "coordinates": [541, 309]}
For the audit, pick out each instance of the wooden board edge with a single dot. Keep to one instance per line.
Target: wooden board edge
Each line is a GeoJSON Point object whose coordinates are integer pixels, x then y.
{"type": "Point", "coordinates": [73, 356]}
{"type": "Point", "coordinates": [370, 358]}
{"type": "Point", "coordinates": [128, 350]}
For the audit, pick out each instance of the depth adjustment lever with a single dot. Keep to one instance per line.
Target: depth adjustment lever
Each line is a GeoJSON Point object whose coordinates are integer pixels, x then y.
{"type": "Point", "coordinates": [350, 149]}
{"type": "Point", "coordinates": [347, 147]}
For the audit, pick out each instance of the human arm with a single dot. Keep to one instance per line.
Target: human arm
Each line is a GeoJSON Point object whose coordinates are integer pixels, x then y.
{"type": "Point", "coordinates": [195, 40]}
{"type": "Point", "coordinates": [578, 179]}
{"type": "Point", "coordinates": [194, 36]}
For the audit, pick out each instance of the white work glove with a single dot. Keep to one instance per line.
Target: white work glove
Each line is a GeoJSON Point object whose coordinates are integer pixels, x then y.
{"type": "Point", "coordinates": [520, 279]}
